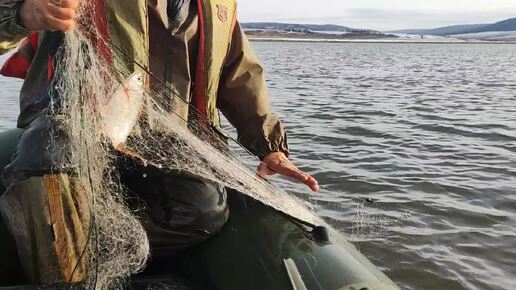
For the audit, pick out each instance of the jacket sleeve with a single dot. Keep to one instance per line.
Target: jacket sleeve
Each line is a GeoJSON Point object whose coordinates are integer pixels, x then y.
{"type": "Point", "coordinates": [11, 33]}
{"type": "Point", "coordinates": [244, 102]}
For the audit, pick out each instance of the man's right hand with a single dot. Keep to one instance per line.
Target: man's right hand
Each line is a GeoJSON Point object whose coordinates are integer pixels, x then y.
{"type": "Point", "coordinates": [53, 15]}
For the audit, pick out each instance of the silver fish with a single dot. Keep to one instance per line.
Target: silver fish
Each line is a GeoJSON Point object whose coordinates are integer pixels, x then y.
{"type": "Point", "coordinates": [120, 114]}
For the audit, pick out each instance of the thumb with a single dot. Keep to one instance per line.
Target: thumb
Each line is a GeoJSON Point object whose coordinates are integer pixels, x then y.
{"type": "Point", "coordinates": [264, 171]}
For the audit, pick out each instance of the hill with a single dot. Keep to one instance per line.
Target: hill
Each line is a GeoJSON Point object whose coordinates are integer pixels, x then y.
{"type": "Point", "coordinates": [275, 30]}
{"type": "Point", "coordinates": [442, 31]}
{"type": "Point", "coordinates": [329, 28]}
{"type": "Point", "coordinates": [505, 25]}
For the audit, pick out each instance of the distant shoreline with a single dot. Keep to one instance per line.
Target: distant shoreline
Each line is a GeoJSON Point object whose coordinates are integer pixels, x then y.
{"type": "Point", "coordinates": [500, 32]}
{"type": "Point", "coordinates": [377, 40]}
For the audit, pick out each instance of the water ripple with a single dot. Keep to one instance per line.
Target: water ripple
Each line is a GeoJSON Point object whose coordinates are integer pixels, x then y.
{"type": "Point", "coordinates": [426, 131]}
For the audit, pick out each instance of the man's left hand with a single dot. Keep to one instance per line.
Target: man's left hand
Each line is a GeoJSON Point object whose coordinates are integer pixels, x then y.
{"type": "Point", "coordinates": [278, 162]}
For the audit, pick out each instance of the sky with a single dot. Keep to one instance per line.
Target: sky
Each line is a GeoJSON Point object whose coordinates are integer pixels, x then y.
{"type": "Point", "coordinates": [380, 15]}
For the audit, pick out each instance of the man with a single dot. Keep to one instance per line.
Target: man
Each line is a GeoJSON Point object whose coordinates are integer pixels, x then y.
{"type": "Point", "coordinates": [199, 49]}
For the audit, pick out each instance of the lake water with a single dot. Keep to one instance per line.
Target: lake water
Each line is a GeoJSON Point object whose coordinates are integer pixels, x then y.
{"type": "Point", "coordinates": [9, 108]}
{"type": "Point", "coordinates": [426, 131]}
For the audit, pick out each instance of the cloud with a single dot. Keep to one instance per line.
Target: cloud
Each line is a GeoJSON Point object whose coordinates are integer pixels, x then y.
{"type": "Point", "coordinates": [390, 19]}
{"type": "Point", "coordinates": [379, 14]}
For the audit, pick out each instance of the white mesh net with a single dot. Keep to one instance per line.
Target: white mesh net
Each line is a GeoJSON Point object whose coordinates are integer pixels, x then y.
{"type": "Point", "coordinates": [100, 109]}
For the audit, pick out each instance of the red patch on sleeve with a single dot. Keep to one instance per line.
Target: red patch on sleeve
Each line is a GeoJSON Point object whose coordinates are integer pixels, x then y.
{"type": "Point", "coordinates": [16, 67]}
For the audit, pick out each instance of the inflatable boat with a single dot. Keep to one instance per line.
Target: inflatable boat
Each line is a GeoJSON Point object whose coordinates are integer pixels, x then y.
{"type": "Point", "coordinates": [258, 249]}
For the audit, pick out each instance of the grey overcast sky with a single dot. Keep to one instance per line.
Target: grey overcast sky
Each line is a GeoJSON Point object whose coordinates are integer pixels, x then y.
{"type": "Point", "coordinates": [379, 14]}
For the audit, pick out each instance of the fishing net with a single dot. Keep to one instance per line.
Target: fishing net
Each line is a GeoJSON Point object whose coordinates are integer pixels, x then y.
{"type": "Point", "coordinates": [85, 106]}
{"type": "Point", "coordinates": [117, 243]}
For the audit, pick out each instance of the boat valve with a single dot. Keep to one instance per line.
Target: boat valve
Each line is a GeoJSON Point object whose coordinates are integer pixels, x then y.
{"type": "Point", "coordinates": [321, 234]}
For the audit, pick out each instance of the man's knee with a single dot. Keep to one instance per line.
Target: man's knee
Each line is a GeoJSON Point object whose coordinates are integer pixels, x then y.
{"type": "Point", "coordinates": [190, 200]}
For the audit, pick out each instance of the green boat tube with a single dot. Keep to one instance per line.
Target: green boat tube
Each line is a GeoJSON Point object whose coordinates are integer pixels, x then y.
{"type": "Point", "coordinates": [258, 249]}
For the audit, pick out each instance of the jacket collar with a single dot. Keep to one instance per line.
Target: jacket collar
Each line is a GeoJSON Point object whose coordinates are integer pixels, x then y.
{"type": "Point", "coordinates": [177, 11]}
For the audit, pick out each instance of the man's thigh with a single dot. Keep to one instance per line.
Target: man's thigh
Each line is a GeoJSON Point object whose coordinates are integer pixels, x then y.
{"type": "Point", "coordinates": [178, 210]}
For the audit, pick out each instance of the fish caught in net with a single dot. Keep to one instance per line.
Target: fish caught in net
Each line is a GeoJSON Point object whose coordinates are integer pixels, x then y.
{"type": "Point", "coordinates": [103, 109]}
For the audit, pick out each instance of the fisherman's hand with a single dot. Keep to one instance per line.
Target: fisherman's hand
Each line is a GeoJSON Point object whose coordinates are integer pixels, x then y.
{"type": "Point", "coordinates": [278, 162]}
{"type": "Point", "coordinates": [53, 15]}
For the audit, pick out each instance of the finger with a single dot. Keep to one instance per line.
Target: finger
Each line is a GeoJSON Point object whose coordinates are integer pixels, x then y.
{"type": "Point", "coordinates": [291, 171]}
{"type": "Point", "coordinates": [61, 13]}
{"type": "Point", "coordinates": [299, 175]}
{"type": "Point", "coordinates": [287, 168]}
{"type": "Point", "coordinates": [57, 24]}
{"type": "Point", "coordinates": [73, 4]}
{"type": "Point", "coordinates": [312, 183]}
